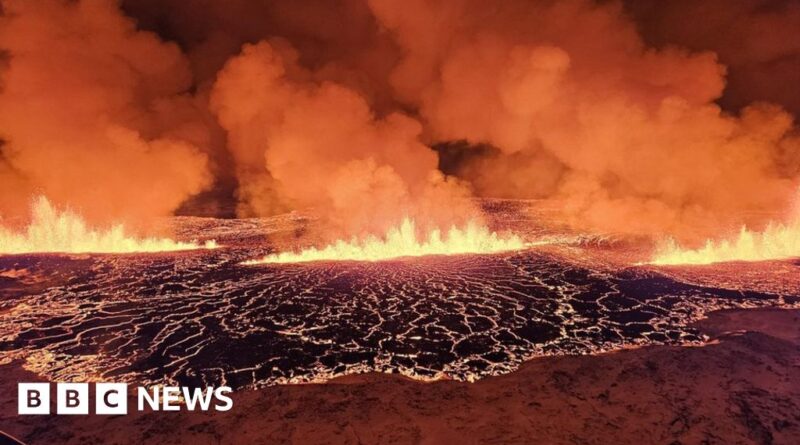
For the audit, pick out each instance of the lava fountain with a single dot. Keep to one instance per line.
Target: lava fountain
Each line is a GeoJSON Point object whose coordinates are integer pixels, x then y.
{"type": "Point", "coordinates": [51, 230]}
{"type": "Point", "coordinates": [402, 241]}
{"type": "Point", "coordinates": [777, 241]}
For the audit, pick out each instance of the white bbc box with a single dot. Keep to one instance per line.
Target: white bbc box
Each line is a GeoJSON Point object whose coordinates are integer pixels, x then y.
{"type": "Point", "coordinates": [33, 398]}
{"type": "Point", "coordinates": [72, 398]}
{"type": "Point", "coordinates": [111, 398]}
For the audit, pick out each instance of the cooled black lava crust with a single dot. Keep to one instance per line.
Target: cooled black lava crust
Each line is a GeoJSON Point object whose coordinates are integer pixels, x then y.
{"type": "Point", "coordinates": [199, 318]}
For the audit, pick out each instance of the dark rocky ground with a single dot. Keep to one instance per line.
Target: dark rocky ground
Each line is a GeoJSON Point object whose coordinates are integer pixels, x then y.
{"type": "Point", "coordinates": [202, 319]}
{"type": "Point", "coordinates": [742, 387]}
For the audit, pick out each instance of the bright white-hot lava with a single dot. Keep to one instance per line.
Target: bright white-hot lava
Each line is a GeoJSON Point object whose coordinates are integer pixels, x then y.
{"type": "Point", "coordinates": [402, 241]}
{"type": "Point", "coordinates": [777, 241]}
{"type": "Point", "coordinates": [51, 230]}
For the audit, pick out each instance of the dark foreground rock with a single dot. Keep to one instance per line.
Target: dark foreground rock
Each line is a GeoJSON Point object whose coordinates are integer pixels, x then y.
{"type": "Point", "coordinates": [743, 387]}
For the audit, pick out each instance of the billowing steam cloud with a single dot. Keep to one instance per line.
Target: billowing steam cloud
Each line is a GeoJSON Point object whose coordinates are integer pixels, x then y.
{"type": "Point", "coordinates": [580, 109]}
{"type": "Point", "coordinates": [759, 40]}
{"type": "Point", "coordinates": [91, 113]}
{"type": "Point", "coordinates": [338, 105]}
{"type": "Point", "coordinates": [302, 143]}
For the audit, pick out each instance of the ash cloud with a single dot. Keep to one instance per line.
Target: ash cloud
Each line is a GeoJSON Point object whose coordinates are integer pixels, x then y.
{"type": "Point", "coordinates": [628, 137]}
{"type": "Point", "coordinates": [299, 143]}
{"type": "Point", "coordinates": [758, 40]}
{"type": "Point", "coordinates": [632, 116]}
{"type": "Point", "coordinates": [92, 113]}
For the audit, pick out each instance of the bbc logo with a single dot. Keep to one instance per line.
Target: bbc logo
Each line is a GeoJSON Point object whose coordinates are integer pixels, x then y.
{"type": "Point", "coordinates": [112, 398]}
{"type": "Point", "coordinates": [72, 398]}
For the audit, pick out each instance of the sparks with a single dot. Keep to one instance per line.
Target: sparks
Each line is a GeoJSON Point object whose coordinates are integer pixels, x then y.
{"type": "Point", "coordinates": [402, 241]}
{"type": "Point", "coordinates": [57, 231]}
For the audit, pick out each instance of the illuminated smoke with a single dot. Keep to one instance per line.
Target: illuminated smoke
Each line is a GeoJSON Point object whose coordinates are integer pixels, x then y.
{"type": "Point", "coordinates": [610, 109]}
{"type": "Point", "coordinates": [579, 109]}
{"type": "Point", "coordinates": [759, 40]}
{"type": "Point", "coordinates": [92, 115]}
{"type": "Point", "coordinates": [301, 143]}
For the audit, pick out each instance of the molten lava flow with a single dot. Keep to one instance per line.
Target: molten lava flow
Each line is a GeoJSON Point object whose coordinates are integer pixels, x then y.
{"type": "Point", "coordinates": [401, 241]}
{"type": "Point", "coordinates": [777, 241]}
{"type": "Point", "coordinates": [66, 232]}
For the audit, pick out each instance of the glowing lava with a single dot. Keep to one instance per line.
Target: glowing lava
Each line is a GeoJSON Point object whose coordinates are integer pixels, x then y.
{"type": "Point", "coordinates": [777, 241]}
{"type": "Point", "coordinates": [402, 241]}
{"type": "Point", "coordinates": [56, 231]}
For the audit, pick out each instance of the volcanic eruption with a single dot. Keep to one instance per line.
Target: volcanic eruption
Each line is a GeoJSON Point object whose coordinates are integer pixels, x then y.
{"type": "Point", "coordinates": [464, 185]}
{"type": "Point", "coordinates": [409, 113]}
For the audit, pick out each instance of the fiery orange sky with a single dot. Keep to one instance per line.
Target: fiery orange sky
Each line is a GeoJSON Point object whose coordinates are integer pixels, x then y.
{"type": "Point", "coordinates": [642, 117]}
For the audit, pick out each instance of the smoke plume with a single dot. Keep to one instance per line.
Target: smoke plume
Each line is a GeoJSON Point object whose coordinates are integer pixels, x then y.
{"type": "Point", "coordinates": [758, 40]}
{"type": "Point", "coordinates": [635, 117]}
{"type": "Point", "coordinates": [628, 137]}
{"type": "Point", "coordinates": [92, 115]}
{"type": "Point", "coordinates": [302, 143]}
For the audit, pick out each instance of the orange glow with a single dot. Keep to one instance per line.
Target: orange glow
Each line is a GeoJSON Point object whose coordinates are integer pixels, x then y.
{"type": "Point", "coordinates": [57, 231]}
{"type": "Point", "coordinates": [777, 241]}
{"type": "Point", "coordinates": [402, 241]}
